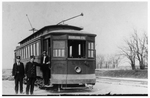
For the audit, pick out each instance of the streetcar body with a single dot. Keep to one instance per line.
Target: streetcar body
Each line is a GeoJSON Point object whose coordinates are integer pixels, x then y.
{"type": "Point", "coordinates": [72, 53]}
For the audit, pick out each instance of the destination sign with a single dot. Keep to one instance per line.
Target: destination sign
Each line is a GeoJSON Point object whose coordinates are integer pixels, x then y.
{"type": "Point", "coordinates": [77, 37]}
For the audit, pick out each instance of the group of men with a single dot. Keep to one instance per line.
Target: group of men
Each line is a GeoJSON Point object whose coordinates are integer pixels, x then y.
{"type": "Point", "coordinates": [29, 72]}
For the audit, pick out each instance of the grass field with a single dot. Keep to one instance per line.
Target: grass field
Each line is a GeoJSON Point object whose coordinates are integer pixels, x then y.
{"type": "Point", "coordinates": [142, 74]}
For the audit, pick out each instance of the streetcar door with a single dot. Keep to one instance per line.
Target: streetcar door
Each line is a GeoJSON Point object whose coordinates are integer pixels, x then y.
{"type": "Point", "coordinates": [47, 46]}
{"type": "Point", "coordinates": [58, 59]}
{"type": "Point", "coordinates": [59, 62]}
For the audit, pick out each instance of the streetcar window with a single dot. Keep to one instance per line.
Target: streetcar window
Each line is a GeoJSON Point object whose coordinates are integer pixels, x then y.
{"type": "Point", "coordinates": [90, 49]}
{"type": "Point", "coordinates": [28, 51]}
{"type": "Point", "coordinates": [20, 53]}
{"type": "Point", "coordinates": [34, 50]}
{"type": "Point", "coordinates": [17, 53]}
{"type": "Point", "coordinates": [37, 47]}
{"type": "Point", "coordinates": [31, 49]}
{"type": "Point", "coordinates": [58, 48]}
{"type": "Point", "coordinates": [24, 53]}
{"type": "Point", "coordinates": [76, 48]}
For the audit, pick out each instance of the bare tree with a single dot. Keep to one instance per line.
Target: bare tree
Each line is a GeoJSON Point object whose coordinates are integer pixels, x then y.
{"type": "Point", "coordinates": [99, 61]}
{"type": "Point", "coordinates": [107, 61]}
{"type": "Point", "coordinates": [130, 52]}
{"type": "Point", "coordinates": [136, 48]}
{"type": "Point", "coordinates": [146, 50]}
{"type": "Point", "coordinates": [116, 60]}
{"type": "Point", "coordinates": [141, 48]}
{"type": "Point", "coordinates": [110, 61]}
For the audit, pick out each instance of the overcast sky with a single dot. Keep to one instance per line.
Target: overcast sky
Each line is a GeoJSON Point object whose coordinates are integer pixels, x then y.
{"type": "Point", "coordinates": [111, 21]}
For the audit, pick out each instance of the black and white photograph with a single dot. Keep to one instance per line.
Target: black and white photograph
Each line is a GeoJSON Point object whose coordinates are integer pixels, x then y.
{"type": "Point", "coordinates": [79, 48]}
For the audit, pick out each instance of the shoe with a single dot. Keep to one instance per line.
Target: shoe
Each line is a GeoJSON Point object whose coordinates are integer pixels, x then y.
{"type": "Point", "coordinates": [16, 93]}
{"type": "Point", "coordinates": [45, 85]}
{"type": "Point", "coordinates": [27, 93]}
{"type": "Point", "coordinates": [21, 92]}
{"type": "Point", "coordinates": [48, 85]}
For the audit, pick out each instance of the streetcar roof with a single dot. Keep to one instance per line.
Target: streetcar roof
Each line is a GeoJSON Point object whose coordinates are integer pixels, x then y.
{"type": "Point", "coordinates": [51, 28]}
{"type": "Point", "coordinates": [71, 32]}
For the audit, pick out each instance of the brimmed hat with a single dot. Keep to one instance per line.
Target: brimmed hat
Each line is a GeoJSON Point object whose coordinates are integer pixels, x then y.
{"type": "Point", "coordinates": [17, 57]}
{"type": "Point", "coordinates": [32, 56]}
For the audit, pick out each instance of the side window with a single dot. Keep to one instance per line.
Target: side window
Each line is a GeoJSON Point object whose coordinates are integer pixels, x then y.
{"type": "Point", "coordinates": [22, 53]}
{"type": "Point", "coordinates": [17, 53]}
{"type": "Point", "coordinates": [91, 49]}
{"type": "Point", "coordinates": [37, 48]}
{"type": "Point", "coordinates": [31, 49]}
{"type": "Point", "coordinates": [34, 50]}
{"type": "Point", "coordinates": [58, 48]}
{"type": "Point", "coordinates": [28, 51]}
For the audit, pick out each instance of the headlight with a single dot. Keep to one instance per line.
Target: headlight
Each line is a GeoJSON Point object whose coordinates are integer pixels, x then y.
{"type": "Point", "coordinates": [77, 69]}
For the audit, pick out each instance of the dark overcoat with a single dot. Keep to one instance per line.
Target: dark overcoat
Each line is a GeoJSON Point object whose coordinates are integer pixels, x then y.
{"type": "Point", "coordinates": [30, 69]}
{"type": "Point", "coordinates": [21, 70]}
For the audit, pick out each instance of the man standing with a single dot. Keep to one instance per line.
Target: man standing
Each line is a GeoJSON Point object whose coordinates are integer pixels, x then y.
{"type": "Point", "coordinates": [30, 71]}
{"type": "Point", "coordinates": [18, 73]}
{"type": "Point", "coordinates": [45, 61]}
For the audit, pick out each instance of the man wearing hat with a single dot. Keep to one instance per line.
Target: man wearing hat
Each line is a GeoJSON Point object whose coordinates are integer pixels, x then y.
{"type": "Point", "coordinates": [18, 73]}
{"type": "Point", "coordinates": [45, 66]}
{"type": "Point", "coordinates": [30, 71]}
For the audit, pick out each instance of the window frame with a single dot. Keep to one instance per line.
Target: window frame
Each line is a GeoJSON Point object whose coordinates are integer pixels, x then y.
{"type": "Point", "coordinates": [37, 48]}
{"type": "Point", "coordinates": [90, 50]}
{"type": "Point", "coordinates": [31, 50]}
{"type": "Point", "coordinates": [79, 49]}
{"type": "Point", "coordinates": [28, 51]}
{"type": "Point", "coordinates": [34, 49]}
{"type": "Point", "coordinates": [59, 49]}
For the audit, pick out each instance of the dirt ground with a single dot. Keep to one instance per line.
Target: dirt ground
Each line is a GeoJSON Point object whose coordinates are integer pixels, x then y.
{"type": "Point", "coordinates": [104, 86]}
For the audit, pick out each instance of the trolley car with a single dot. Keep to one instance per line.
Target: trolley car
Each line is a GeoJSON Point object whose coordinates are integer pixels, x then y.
{"type": "Point", "coordinates": [71, 50]}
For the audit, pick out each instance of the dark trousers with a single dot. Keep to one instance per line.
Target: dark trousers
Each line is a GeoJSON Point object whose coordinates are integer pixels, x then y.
{"type": "Point", "coordinates": [30, 85]}
{"type": "Point", "coordinates": [46, 76]}
{"type": "Point", "coordinates": [46, 73]}
{"type": "Point", "coordinates": [18, 80]}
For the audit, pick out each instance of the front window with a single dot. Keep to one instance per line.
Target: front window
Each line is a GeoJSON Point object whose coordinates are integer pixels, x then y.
{"type": "Point", "coordinates": [90, 49]}
{"type": "Point", "coordinates": [58, 48]}
{"type": "Point", "coordinates": [76, 48]}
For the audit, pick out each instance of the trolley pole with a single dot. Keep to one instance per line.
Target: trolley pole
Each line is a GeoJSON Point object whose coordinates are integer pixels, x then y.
{"type": "Point", "coordinates": [33, 29]}
{"type": "Point", "coordinates": [69, 19]}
